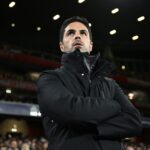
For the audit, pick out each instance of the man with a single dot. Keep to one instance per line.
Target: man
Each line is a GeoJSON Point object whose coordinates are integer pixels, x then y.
{"type": "Point", "coordinates": [13, 145]}
{"type": "Point", "coordinates": [81, 108]}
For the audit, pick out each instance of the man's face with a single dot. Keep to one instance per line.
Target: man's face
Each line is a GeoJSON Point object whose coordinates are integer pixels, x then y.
{"type": "Point", "coordinates": [76, 36]}
{"type": "Point", "coordinates": [14, 144]}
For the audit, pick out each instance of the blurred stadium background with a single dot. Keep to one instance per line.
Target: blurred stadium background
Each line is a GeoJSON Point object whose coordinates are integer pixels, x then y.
{"type": "Point", "coordinates": [29, 37]}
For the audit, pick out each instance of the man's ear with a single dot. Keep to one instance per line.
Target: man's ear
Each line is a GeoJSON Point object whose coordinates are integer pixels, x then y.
{"type": "Point", "coordinates": [61, 45]}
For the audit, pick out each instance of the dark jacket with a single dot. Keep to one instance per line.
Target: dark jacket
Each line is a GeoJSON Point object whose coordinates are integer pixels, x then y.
{"type": "Point", "coordinates": [82, 109]}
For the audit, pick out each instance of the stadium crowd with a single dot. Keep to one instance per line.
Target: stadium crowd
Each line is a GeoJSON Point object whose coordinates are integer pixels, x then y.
{"type": "Point", "coordinates": [23, 144]}
{"type": "Point", "coordinates": [42, 144]}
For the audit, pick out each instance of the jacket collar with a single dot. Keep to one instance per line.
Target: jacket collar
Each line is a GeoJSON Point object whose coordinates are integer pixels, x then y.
{"type": "Point", "coordinates": [74, 61]}
{"type": "Point", "coordinates": [85, 63]}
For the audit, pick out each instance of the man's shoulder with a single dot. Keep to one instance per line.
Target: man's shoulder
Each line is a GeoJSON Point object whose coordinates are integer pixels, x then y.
{"type": "Point", "coordinates": [46, 74]}
{"type": "Point", "coordinates": [49, 72]}
{"type": "Point", "coordinates": [108, 79]}
{"type": "Point", "coordinates": [110, 82]}
{"type": "Point", "coordinates": [50, 75]}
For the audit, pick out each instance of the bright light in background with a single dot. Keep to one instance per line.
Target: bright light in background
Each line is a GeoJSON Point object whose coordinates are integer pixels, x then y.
{"type": "Point", "coordinates": [112, 32]}
{"type": "Point", "coordinates": [137, 95]}
{"type": "Point", "coordinates": [123, 67]}
{"type": "Point", "coordinates": [135, 37]}
{"type": "Point", "coordinates": [90, 24]}
{"type": "Point", "coordinates": [8, 91]}
{"type": "Point", "coordinates": [141, 18]}
{"type": "Point", "coordinates": [56, 17]}
{"type": "Point", "coordinates": [131, 96]}
{"type": "Point", "coordinates": [39, 114]}
{"type": "Point", "coordinates": [35, 114]}
{"type": "Point", "coordinates": [34, 111]}
{"type": "Point", "coordinates": [81, 1]}
{"type": "Point", "coordinates": [12, 25]}
{"type": "Point", "coordinates": [114, 11]}
{"type": "Point", "coordinates": [14, 128]}
{"type": "Point", "coordinates": [34, 75]}
{"type": "Point", "coordinates": [38, 28]}
{"type": "Point", "coordinates": [12, 4]}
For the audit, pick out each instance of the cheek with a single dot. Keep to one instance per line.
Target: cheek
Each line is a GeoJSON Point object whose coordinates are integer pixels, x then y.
{"type": "Point", "coordinates": [90, 46]}
{"type": "Point", "coordinates": [67, 41]}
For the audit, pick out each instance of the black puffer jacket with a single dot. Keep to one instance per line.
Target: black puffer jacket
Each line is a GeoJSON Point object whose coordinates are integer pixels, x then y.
{"type": "Point", "coordinates": [82, 109]}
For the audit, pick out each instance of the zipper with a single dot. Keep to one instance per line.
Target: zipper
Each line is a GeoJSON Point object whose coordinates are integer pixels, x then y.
{"type": "Point", "coordinates": [90, 76]}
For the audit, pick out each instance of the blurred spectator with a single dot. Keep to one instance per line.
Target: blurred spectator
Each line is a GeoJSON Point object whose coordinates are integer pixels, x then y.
{"type": "Point", "coordinates": [13, 145]}
{"type": "Point", "coordinates": [148, 147]}
{"type": "Point", "coordinates": [33, 145]}
{"type": "Point", "coordinates": [44, 145]}
{"type": "Point", "coordinates": [2, 145]}
{"type": "Point", "coordinates": [25, 146]}
{"type": "Point", "coordinates": [130, 147]}
{"type": "Point", "coordinates": [140, 146]}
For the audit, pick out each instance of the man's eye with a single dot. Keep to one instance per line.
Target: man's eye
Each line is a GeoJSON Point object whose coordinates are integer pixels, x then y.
{"type": "Point", "coordinates": [70, 32]}
{"type": "Point", "coordinates": [83, 32]}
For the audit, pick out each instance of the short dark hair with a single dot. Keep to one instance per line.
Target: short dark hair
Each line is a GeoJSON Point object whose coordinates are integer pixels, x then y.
{"type": "Point", "coordinates": [74, 19]}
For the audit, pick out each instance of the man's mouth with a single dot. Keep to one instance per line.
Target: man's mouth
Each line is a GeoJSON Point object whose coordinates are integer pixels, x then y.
{"type": "Point", "coordinates": [77, 44]}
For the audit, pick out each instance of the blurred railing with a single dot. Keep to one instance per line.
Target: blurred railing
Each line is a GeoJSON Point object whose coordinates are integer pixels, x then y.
{"type": "Point", "coordinates": [136, 68]}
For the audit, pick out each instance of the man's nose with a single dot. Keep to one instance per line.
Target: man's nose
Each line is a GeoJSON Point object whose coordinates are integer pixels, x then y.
{"type": "Point", "coordinates": [77, 36]}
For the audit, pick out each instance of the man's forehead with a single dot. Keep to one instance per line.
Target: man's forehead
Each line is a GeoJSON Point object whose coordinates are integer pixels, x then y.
{"type": "Point", "coordinates": [76, 26]}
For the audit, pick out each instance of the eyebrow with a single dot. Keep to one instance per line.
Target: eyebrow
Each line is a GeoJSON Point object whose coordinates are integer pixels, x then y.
{"type": "Point", "coordinates": [73, 30]}
{"type": "Point", "coordinates": [70, 30]}
{"type": "Point", "coordinates": [83, 30]}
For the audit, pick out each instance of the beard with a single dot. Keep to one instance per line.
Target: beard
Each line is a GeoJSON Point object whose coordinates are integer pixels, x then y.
{"type": "Point", "coordinates": [74, 48]}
